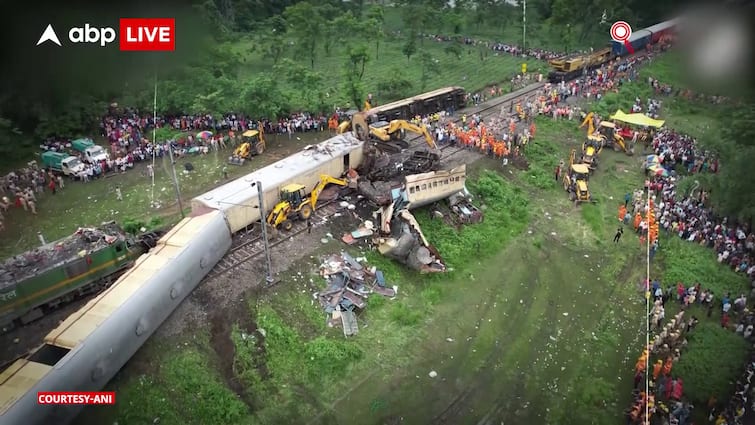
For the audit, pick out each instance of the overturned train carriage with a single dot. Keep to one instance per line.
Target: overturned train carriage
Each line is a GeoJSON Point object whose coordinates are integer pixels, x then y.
{"type": "Point", "coordinates": [92, 345]}
{"type": "Point", "coordinates": [239, 199]}
{"type": "Point", "coordinates": [448, 98]}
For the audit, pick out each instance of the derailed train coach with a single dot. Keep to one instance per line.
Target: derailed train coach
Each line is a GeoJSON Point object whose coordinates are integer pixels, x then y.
{"type": "Point", "coordinates": [445, 99]}
{"type": "Point", "coordinates": [85, 351]}
{"type": "Point", "coordinates": [239, 199]}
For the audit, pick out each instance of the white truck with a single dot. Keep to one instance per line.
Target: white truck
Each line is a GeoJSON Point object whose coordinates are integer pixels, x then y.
{"type": "Point", "coordinates": [63, 163]}
{"type": "Point", "coordinates": [90, 152]}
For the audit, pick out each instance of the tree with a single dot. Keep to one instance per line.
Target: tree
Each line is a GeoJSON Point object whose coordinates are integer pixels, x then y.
{"type": "Point", "coordinates": [373, 30]}
{"type": "Point", "coordinates": [261, 97]}
{"type": "Point", "coordinates": [394, 86]}
{"type": "Point", "coordinates": [307, 25]}
{"type": "Point", "coordinates": [272, 45]}
{"type": "Point", "coordinates": [734, 185]}
{"type": "Point", "coordinates": [429, 67]}
{"type": "Point", "coordinates": [341, 30]}
{"type": "Point", "coordinates": [308, 83]}
{"type": "Point", "coordinates": [352, 86]}
{"type": "Point", "coordinates": [410, 47]}
{"type": "Point", "coordinates": [358, 57]}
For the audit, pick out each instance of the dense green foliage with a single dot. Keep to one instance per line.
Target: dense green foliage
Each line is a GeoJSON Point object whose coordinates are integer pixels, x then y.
{"type": "Point", "coordinates": [690, 263]}
{"type": "Point", "coordinates": [717, 354]}
{"type": "Point", "coordinates": [289, 361]}
{"type": "Point", "coordinates": [506, 213]}
{"type": "Point", "coordinates": [195, 395]}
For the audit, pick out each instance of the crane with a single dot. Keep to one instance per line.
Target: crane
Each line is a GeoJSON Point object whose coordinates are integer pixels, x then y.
{"type": "Point", "coordinates": [388, 135]}
{"type": "Point", "coordinates": [296, 205]}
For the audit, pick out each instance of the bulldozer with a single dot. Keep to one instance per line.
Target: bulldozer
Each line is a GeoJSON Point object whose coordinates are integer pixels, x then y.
{"type": "Point", "coordinates": [575, 181]}
{"type": "Point", "coordinates": [294, 203]}
{"type": "Point", "coordinates": [591, 148]}
{"type": "Point", "coordinates": [387, 136]}
{"type": "Point", "coordinates": [607, 133]}
{"type": "Point", "coordinates": [252, 143]}
{"type": "Point", "coordinates": [612, 138]}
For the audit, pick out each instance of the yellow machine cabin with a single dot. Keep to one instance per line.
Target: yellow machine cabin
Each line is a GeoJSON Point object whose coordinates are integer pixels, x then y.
{"type": "Point", "coordinates": [607, 134]}
{"type": "Point", "coordinates": [575, 181]}
{"type": "Point", "coordinates": [613, 139]}
{"type": "Point", "coordinates": [252, 143]}
{"type": "Point", "coordinates": [591, 148]}
{"type": "Point", "coordinates": [296, 205]}
{"type": "Point", "coordinates": [388, 136]}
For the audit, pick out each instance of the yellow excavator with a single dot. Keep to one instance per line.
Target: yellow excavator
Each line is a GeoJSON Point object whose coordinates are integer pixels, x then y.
{"type": "Point", "coordinates": [607, 133]}
{"type": "Point", "coordinates": [296, 205]}
{"type": "Point", "coordinates": [575, 180]}
{"type": "Point", "coordinates": [252, 143]}
{"type": "Point", "coordinates": [387, 136]}
{"type": "Point", "coordinates": [591, 148]}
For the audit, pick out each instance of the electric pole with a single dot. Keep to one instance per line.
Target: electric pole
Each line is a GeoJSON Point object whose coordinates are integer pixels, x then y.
{"type": "Point", "coordinates": [524, 27]}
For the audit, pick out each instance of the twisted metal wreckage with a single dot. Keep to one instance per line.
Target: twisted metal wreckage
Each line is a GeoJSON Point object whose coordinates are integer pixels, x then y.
{"type": "Point", "coordinates": [399, 234]}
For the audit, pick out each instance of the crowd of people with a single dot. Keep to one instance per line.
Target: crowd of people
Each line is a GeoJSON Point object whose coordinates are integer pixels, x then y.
{"type": "Point", "coordinates": [689, 216]}
{"type": "Point", "coordinates": [498, 47]}
{"type": "Point", "coordinates": [22, 188]}
{"type": "Point", "coordinates": [664, 394]}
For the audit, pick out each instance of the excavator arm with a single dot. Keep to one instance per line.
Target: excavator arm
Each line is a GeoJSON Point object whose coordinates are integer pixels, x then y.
{"type": "Point", "coordinates": [589, 122]}
{"type": "Point", "coordinates": [397, 125]}
{"type": "Point", "coordinates": [325, 180]}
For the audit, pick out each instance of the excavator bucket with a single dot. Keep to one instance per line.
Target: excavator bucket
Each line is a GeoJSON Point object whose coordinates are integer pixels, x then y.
{"type": "Point", "coordinates": [235, 160]}
{"type": "Point", "coordinates": [360, 127]}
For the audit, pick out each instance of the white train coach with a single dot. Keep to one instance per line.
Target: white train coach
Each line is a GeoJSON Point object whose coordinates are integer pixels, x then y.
{"type": "Point", "coordinates": [239, 199]}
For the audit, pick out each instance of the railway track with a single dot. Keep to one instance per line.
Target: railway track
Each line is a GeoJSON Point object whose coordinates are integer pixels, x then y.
{"type": "Point", "coordinates": [250, 244]}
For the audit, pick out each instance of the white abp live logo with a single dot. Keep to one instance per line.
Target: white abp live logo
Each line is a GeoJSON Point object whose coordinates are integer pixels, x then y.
{"type": "Point", "coordinates": [135, 34]}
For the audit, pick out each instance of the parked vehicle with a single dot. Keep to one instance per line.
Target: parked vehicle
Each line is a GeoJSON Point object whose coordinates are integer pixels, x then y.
{"type": "Point", "coordinates": [91, 153]}
{"type": "Point", "coordinates": [63, 163]}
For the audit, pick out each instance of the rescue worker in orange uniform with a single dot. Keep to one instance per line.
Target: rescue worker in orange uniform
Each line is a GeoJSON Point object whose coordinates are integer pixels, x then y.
{"type": "Point", "coordinates": [622, 212]}
{"type": "Point", "coordinates": [657, 368]}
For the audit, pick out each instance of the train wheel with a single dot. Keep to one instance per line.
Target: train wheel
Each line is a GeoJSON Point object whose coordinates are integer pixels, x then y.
{"type": "Point", "coordinates": [287, 225]}
{"type": "Point", "coordinates": [305, 212]}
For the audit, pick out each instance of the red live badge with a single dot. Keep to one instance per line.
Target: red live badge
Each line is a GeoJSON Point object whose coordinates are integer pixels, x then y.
{"type": "Point", "coordinates": [620, 33]}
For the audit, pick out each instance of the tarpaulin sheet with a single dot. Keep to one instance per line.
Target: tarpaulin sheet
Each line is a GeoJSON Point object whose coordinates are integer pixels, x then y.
{"type": "Point", "coordinates": [637, 119]}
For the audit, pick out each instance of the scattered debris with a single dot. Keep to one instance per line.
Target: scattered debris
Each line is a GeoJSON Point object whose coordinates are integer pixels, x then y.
{"type": "Point", "coordinates": [350, 282]}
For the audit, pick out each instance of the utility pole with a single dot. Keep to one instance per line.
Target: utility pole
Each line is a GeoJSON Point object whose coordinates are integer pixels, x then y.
{"type": "Point", "coordinates": [263, 220]}
{"type": "Point", "coordinates": [170, 152]}
{"type": "Point", "coordinates": [175, 178]}
{"type": "Point", "coordinates": [524, 27]}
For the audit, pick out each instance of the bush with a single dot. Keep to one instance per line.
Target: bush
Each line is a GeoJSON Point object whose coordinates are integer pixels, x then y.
{"type": "Point", "coordinates": [505, 216]}
{"type": "Point", "coordinates": [712, 363]}
{"type": "Point", "coordinates": [690, 263]}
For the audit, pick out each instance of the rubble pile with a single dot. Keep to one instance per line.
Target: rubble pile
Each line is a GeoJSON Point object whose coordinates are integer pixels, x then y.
{"type": "Point", "coordinates": [463, 210]}
{"type": "Point", "coordinates": [350, 282]}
